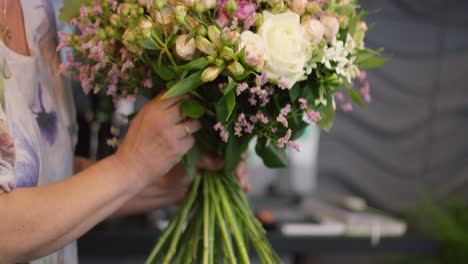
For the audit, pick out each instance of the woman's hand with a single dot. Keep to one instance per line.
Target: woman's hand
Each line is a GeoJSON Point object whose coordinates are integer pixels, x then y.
{"type": "Point", "coordinates": [157, 139]}
{"type": "Point", "coordinates": [172, 188]}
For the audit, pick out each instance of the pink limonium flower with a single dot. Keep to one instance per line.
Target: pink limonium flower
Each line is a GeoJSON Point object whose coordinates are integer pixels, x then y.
{"type": "Point", "coordinates": [261, 79]}
{"type": "Point", "coordinates": [303, 103]}
{"type": "Point", "coordinates": [294, 145]}
{"type": "Point", "coordinates": [313, 116]}
{"type": "Point", "coordinates": [286, 110]}
{"type": "Point", "coordinates": [284, 140]}
{"type": "Point", "coordinates": [347, 107]}
{"type": "Point", "coordinates": [241, 87]}
{"type": "Point", "coordinates": [222, 132]}
{"type": "Point", "coordinates": [64, 40]}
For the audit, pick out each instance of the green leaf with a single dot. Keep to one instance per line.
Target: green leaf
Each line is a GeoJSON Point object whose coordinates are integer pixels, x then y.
{"type": "Point", "coordinates": [356, 98]}
{"type": "Point", "coordinates": [163, 71]}
{"type": "Point", "coordinates": [298, 126]}
{"type": "Point", "coordinates": [372, 63]}
{"type": "Point", "coordinates": [184, 86]}
{"type": "Point", "coordinates": [232, 155]}
{"type": "Point", "coordinates": [70, 9]}
{"type": "Point", "coordinates": [190, 160]}
{"type": "Point", "coordinates": [328, 117]}
{"type": "Point", "coordinates": [369, 59]}
{"type": "Point", "coordinates": [193, 109]}
{"type": "Point", "coordinates": [272, 156]}
{"type": "Point", "coordinates": [295, 92]}
{"type": "Point", "coordinates": [221, 110]}
{"type": "Point", "coordinates": [148, 45]}
{"type": "Point", "coordinates": [230, 104]}
{"type": "Point", "coordinates": [231, 85]}
{"type": "Point", "coordinates": [197, 64]}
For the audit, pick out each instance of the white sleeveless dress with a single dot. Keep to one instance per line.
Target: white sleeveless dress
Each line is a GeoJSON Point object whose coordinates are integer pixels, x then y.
{"type": "Point", "coordinates": [37, 124]}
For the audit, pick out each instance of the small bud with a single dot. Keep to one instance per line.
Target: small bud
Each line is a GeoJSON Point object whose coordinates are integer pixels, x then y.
{"type": "Point", "coordinates": [146, 27]}
{"type": "Point", "coordinates": [185, 49]}
{"type": "Point", "coordinates": [115, 20]}
{"type": "Point", "coordinates": [231, 7]}
{"type": "Point", "coordinates": [159, 5]}
{"type": "Point", "coordinates": [331, 26]}
{"type": "Point", "coordinates": [213, 34]}
{"type": "Point", "coordinates": [205, 46]}
{"type": "Point", "coordinates": [236, 69]}
{"type": "Point", "coordinates": [164, 17]}
{"type": "Point", "coordinates": [258, 20]}
{"type": "Point", "coordinates": [102, 34]}
{"type": "Point", "coordinates": [220, 63]}
{"type": "Point", "coordinates": [110, 31]}
{"type": "Point", "coordinates": [344, 21]}
{"type": "Point", "coordinates": [210, 74]}
{"type": "Point", "coordinates": [208, 4]}
{"type": "Point", "coordinates": [227, 53]}
{"type": "Point", "coordinates": [188, 3]}
{"type": "Point", "coordinates": [313, 8]}
{"type": "Point", "coordinates": [180, 14]}
{"type": "Point", "coordinates": [299, 6]}
{"type": "Point", "coordinates": [201, 30]}
{"type": "Point", "coordinates": [233, 37]}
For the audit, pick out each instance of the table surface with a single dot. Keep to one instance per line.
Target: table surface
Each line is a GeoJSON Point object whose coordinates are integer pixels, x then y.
{"type": "Point", "coordinates": [138, 241]}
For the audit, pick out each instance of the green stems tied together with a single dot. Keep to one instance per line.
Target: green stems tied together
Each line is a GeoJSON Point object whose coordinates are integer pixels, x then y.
{"type": "Point", "coordinates": [215, 224]}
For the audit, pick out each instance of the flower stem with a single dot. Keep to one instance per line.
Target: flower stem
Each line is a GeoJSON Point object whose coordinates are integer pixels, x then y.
{"type": "Point", "coordinates": [230, 217]}
{"type": "Point", "coordinates": [206, 220]}
{"type": "Point", "coordinates": [222, 225]}
{"type": "Point", "coordinates": [163, 239]}
{"type": "Point", "coordinates": [183, 215]}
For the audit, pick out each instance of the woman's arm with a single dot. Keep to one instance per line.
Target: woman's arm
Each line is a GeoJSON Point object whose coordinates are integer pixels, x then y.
{"type": "Point", "coordinates": [35, 222]}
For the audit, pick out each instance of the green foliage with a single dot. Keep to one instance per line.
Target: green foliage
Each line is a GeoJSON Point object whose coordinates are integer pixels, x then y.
{"type": "Point", "coordinates": [447, 223]}
{"type": "Point", "coordinates": [369, 59]}
{"type": "Point", "coordinates": [272, 156]}
{"type": "Point", "coordinates": [328, 117]}
{"type": "Point", "coordinates": [190, 160]}
{"type": "Point", "coordinates": [184, 86]}
{"type": "Point", "coordinates": [193, 109]}
{"type": "Point", "coordinates": [232, 155]}
{"type": "Point", "coordinates": [71, 9]}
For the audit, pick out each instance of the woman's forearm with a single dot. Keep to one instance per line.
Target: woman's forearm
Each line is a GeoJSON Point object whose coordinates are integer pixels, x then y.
{"type": "Point", "coordinates": [38, 221]}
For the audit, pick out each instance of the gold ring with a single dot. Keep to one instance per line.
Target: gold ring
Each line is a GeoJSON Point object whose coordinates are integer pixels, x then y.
{"type": "Point", "coordinates": [187, 129]}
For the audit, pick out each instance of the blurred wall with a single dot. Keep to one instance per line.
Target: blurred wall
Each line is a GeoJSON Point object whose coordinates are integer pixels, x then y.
{"type": "Point", "coordinates": [412, 138]}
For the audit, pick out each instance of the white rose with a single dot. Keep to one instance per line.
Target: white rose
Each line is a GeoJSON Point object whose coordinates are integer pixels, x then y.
{"type": "Point", "coordinates": [313, 30]}
{"type": "Point", "coordinates": [254, 49]}
{"type": "Point", "coordinates": [185, 51]}
{"type": "Point", "coordinates": [331, 26]}
{"type": "Point", "coordinates": [287, 51]}
{"type": "Point", "coordinates": [299, 6]}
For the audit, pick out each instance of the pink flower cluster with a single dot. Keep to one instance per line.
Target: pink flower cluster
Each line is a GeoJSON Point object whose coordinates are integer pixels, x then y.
{"type": "Point", "coordinates": [243, 125]}
{"type": "Point", "coordinates": [222, 132]}
{"type": "Point", "coordinates": [282, 116]}
{"type": "Point", "coordinates": [245, 11]}
{"type": "Point", "coordinates": [285, 141]}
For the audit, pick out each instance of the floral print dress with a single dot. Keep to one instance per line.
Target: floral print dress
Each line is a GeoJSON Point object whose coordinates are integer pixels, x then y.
{"type": "Point", "coordinates": [36, 114]}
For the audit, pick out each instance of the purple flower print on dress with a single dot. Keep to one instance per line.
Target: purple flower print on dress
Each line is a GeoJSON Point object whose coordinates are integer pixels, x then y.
{"type": "Point", "coordinates": [47, 121]}
{"type": "Point", "coordinates": [27, 158]}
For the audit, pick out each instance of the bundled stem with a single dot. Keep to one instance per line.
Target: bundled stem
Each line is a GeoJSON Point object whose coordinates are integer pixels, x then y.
{"type": "Point", "coordinates": [221, 209]}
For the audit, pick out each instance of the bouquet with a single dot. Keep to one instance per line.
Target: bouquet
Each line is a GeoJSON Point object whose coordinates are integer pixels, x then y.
{"type": "Point", "coordinates": [263, 69]}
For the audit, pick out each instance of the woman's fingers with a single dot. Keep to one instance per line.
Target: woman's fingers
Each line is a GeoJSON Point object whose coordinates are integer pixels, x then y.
{"type": "Point", "coordinates": [209, 162]}
{"type": "Point", "coordinates": [186, 128]}
{"type": "Point", "coordinates": [242, 175]}
{"type": "Point", "coordinates": [170, 102]}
